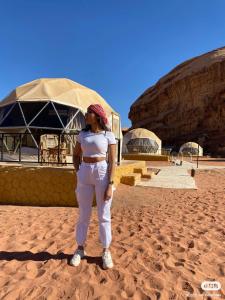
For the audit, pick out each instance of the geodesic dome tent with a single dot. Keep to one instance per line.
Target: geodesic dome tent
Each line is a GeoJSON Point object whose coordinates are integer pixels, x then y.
{"type": "Point", "coordinates": [191, 148]}
{"type": "Point", "coordinates": [51, 105]}
{"type": "Point", "coordinates": [141, 140]}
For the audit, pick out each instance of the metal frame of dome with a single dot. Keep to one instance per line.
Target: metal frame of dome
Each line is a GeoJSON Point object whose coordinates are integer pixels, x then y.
{"type": "Point", "coordinates": [143, 145]}
{"type": "Point", "coordinates": [48, 109]}
{"type": "Point", "coordinates": [191, 148]}
{"type": "Point", "coordinates": [44, 100]}
{"type": "Point", "coordinates": [144, 141]}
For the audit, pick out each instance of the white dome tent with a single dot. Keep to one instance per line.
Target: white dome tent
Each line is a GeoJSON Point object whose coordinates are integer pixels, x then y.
{"type": "Point", "coordinates": [51, 105]}
{"type": "Point", "coordinates": [191, 148]}
{"type": "Point", "coordinates": [141, 140]}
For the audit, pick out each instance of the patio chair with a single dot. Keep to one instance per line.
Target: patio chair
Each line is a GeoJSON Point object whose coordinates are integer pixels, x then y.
{"type": "Point", "coordinates": [47, 143]}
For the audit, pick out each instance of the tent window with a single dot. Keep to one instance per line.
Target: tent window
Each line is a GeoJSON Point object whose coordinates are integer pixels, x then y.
{"type": "Point", "coordinates": [143, 145]}
{"type": "Point", "coordinates": [4, 110]}
{"type": "Point", "coordinates": [30, 110]}
{"type": "Point", "coordinates": [14, 118]}
{"type": "Point", "coordinates": [47, 118]}
{"type": "Point", "coordinates": [79, 122]}
{"type": "Point", "coordinates": [65, 112]}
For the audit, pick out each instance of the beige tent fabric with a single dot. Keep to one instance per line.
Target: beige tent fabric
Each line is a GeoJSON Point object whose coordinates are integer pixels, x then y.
{"type": "Point", "coordinates": [140, 133]}
{"type": "Point", "coordinates": [192, 145]}
{"type": "Point", "coordinates": [60, 90]}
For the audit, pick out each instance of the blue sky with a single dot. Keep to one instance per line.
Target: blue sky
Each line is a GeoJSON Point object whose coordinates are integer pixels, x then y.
{"type": "Point", "coordinates": [117, 47]}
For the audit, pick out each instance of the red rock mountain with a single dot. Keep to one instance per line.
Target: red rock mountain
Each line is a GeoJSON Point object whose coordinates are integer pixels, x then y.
{"type": "Point", "coordinates": [187, 103]}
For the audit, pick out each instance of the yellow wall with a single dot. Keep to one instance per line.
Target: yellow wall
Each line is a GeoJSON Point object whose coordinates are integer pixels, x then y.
{"type": "Point", "coordinates": [45, 186]}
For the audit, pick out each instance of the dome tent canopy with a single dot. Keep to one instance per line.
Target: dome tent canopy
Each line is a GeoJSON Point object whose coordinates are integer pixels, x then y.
{"type": "Point", "coordinates": [191, 148]}
{"type": "Point", "coordinates": [141, 140]}
{"type": "Point", "coordinates": [60, 90]}
{"type": "Point", "coordinates": [51, 105]}
{"type": "Point", "coordinates": [65, 99]}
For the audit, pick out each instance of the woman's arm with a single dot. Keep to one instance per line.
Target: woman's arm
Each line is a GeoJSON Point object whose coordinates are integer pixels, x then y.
{"type": "Point", "coordinates": [111, 160]}
{"type": "Point", "coordinates": [77, 152]}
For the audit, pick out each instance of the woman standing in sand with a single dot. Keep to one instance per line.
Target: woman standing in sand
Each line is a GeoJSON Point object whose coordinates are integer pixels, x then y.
{"type": "Point", "coordinates": [94, 174]}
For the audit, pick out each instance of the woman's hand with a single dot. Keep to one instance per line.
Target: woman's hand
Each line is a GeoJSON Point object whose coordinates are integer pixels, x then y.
{"type": "Point", "coordinates": [108, 192]}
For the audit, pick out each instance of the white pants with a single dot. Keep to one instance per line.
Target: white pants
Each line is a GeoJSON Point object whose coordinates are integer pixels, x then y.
{"type": "Point", "coordinates": [93, 177]}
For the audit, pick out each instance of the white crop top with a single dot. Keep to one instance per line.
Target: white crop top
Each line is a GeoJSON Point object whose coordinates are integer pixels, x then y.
{"type": "Point", "coordinates": [95, 144]}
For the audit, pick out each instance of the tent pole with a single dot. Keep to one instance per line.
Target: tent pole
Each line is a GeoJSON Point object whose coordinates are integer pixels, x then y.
{"type": "Point", "coordinates": [38, 113]}
{"type": "Point", "coordinates": [8, 113]}
{"type": "Point", "coordinates": [58, 115]}
{"type": "Point", "coordinates": [72, 119]}
{"type": "Point", "coordinates": [27, 128]}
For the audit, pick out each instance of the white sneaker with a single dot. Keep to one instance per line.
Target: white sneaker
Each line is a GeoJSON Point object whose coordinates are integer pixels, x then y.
{"type": "Point", "coordinates": [78, 254]}
{"type": "Point", "coordinates": [107, 260]}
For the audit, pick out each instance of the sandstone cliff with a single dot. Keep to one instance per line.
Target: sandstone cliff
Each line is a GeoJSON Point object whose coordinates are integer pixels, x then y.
{"type": "Point", "coordinates": [186, 103]}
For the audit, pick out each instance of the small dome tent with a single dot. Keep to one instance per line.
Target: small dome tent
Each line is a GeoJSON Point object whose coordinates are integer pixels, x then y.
{"type": "Point", "coordinates": [141, 140]}
{"type": "Point", "coordinates": [191, 148]}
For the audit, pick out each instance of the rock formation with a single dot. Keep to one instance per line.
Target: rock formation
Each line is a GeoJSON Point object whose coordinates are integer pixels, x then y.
{"type": "Point", "coordinates": [187, 103]}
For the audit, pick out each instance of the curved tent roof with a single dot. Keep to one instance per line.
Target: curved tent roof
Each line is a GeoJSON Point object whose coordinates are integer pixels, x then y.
{"type": "Point", "coordinates": [60, 90]}
{"type": "Point", "coordinates": [140, 133]}
{"type": "Point", "coordinates": [191, 145]}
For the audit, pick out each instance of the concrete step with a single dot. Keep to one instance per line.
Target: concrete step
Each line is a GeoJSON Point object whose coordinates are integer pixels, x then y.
{"type": "Point", "coordinates": [140, 170]}
{"type": "Point", "coordinates": [148, 175]}
{"type": "Point", "coordinates": [131, 179]}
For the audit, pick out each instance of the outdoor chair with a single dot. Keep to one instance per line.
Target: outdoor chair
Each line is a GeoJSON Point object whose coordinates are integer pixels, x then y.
{"type": "Point", "coordinates": [51, 151]}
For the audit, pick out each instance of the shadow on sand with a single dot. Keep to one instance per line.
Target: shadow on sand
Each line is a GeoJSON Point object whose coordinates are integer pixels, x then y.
{"type": "Point", "coordinates": [45, 256]}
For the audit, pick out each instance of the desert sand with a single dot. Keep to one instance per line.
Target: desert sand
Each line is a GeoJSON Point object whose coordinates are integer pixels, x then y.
{"type": "Point", "coordinates": [165, 243]}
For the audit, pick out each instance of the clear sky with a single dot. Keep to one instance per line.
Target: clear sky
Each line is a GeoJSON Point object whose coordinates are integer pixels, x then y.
{"type": "Point", "coordinates": [117, 47]}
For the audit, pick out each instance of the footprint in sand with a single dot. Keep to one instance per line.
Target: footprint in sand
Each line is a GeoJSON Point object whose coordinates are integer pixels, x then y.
{"type": "Point", "coordinates": [140, 227]}
{"type": "Point", "coordinates": [118, 229]}
{"type": "Point", "coordinates": [135, 268]}
{"type": "Point", "coordinates": [202, 231]}
{"type": "Point", "coordinates": [56, 276]}
{"type": "Point", "coordinates": [172, 296]}
{"type": "Point", "coordinates": [158, 247]}
{"type": "Point", "coordinates": [115, 275]}
{"type": "Point", "coordinates": [192, 271]}
{"type": "Point", "coordinates": [193, 257]}
{"type": "Point", "coordinates": [154, 266]}
{"type": "Point", "coordinates": [175, 239]}
{"type": "Point", "coordinates": [201, 218]}
{"type": "Point", "coordinates": [86, 292]}
{"type": "Point", "coordinates": [177, 248]}
{"type": "Point", "coordinates": [186, 286]}
{"type": "Point", "coordinates": [154, 283]}
{"type": "Point", "coordinates": [33, 292]}
{"type": "Point", "coordinates": [140, 248]}
{"type": "Point", "coordinates": [34, 237]}
{"type": "Point", "coordinates": [103, 280]}
{"type": "Point", "coordinates": [179, 263]}
{"type": "Point", "coordinates": [204, 246]}
{"type": "Point", "coordinates": [190, 244]}
{"type": "Point", "coordinates": [220, 252]}
{"type": "Point", "coordinates": [221, 268]}
{"type": "Point", "coordinates": [140, 295]}
{"type": "Point", "coordinates": [121, 251]}
{"type": "Point", "coordinates": [158, 295]}
{"type": "Point", "coordinates": [33, 270]}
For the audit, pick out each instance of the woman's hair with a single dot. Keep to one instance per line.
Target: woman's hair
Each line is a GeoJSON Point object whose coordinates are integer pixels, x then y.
{"type": "Point", "coordinates": [100, 122]}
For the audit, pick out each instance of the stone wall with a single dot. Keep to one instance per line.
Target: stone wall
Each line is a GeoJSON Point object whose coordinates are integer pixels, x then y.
{"type": "Point", "coordinates": [45, 186]}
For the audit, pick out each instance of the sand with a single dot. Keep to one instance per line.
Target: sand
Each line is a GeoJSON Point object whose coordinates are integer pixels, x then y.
{"type": "Point", "coordinates": [165, 243]}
